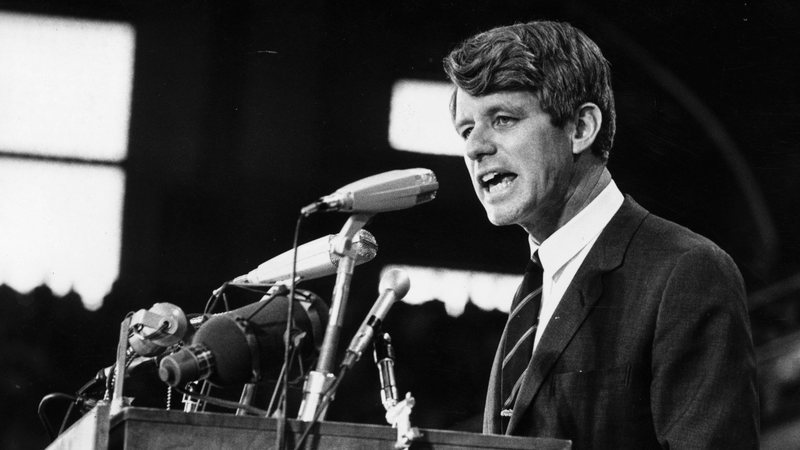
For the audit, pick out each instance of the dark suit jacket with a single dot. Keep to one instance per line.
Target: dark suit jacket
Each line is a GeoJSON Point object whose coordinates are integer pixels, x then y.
{"type": "Point", "coordinates": [650, 347]}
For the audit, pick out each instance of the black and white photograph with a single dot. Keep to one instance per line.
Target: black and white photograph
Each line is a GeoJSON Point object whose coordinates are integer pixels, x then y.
{"type": "Point", "coordinates": [399, 225]}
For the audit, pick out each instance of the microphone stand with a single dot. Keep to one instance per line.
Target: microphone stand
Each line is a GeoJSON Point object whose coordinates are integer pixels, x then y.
{"type": "Point", "coordinates": [117, 400]}
{"type": "Point", "coordinates": [320, 379]}
{"type": "Point", "coordinates": [248, 392]}
{"type": "Point", "coordinates": [194, 405]}
{"type": "Point", "coordinates": [398, 413]}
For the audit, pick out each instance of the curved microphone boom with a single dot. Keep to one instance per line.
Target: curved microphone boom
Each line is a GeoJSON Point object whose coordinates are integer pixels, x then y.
{"type": "Point", "coordinates": [315, 259]}
{"type": "Point", "coordinates": [388, 191]}
{"type": "Point", "coordinates": [246, 344]}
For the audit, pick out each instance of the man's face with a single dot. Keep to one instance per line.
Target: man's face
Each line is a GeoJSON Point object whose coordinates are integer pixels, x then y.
{"type": "Point", "coordinates": [521, 165]}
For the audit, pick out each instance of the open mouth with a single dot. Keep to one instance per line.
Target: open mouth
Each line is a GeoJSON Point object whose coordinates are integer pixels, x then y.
{"type": "Point", "coordinates": [496, 181]}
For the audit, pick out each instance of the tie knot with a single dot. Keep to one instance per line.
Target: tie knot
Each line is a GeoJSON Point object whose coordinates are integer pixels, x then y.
{"type": "Point", "coordinates": [534, 264]}
{"type": "Point", "coordinates": [533, 275]}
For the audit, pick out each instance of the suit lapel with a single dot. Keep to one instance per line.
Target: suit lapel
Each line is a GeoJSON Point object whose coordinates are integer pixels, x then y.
{"type": "Point", "coordinates": [577, 302]}
{"type": "Point", "coordinates": [491, 412]}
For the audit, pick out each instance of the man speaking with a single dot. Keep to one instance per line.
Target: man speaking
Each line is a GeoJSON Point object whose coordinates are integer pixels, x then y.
{"type": "Point", "coordinates": [628, 331]}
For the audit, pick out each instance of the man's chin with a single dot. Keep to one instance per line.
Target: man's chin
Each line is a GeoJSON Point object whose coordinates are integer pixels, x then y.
{"type": "Point", "coordinates": [499, 219]}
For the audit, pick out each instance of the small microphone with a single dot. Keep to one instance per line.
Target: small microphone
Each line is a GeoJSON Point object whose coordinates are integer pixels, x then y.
{"type": "Point", "coordinates": [155, 329]}
{"type": "Point", "coordinates": [393, 286]}
{"type": "Point", "coordinates": [384, 358]}
{"type": "Point", "coordinates": [388, 191]}
{"type": "Point", "coordinates": [315, 259]}
{"type": "Point", "coordinates": [134, 365]}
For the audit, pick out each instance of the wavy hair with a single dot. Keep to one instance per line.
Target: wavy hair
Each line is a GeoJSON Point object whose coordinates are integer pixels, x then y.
{"type": "Point", "coordinates": [554, 60]}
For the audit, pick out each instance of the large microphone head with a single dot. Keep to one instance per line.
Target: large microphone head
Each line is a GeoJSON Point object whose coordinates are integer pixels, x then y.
{"type": "Point", "coordinates": [231, 347]}
{"type": "Point", "coordinates": [388, 191]}
{"type": "Point", "coordinates": [315, 259]}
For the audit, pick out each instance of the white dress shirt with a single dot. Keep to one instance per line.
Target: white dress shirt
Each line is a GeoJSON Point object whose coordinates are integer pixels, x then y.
{"type": "Point", "coordinates": [563, 252]}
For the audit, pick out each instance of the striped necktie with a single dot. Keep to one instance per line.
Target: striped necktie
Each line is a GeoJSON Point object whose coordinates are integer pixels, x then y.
{"type": "Point", "coordinates": [520, 332]}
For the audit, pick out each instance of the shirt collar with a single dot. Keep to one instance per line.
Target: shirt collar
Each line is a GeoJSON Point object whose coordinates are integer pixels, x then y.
{"type": "Point", "coordinates": [566, 242]}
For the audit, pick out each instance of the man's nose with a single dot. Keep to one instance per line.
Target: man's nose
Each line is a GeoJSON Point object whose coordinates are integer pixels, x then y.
{"type": "Point", "coordinates": [479, 144]}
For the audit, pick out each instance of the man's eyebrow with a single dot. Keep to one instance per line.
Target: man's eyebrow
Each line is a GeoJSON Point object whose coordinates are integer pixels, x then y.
{"type": "Point", "coordinates": [492, 110]}
{"type": "Point", "coordinates": [511, 107]}
{"type": "Point", "coordinates": [458, 123]}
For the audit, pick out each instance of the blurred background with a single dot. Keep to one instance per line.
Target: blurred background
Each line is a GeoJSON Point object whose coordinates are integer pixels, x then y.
{"type": "Point", "coordinates": [149, 151]}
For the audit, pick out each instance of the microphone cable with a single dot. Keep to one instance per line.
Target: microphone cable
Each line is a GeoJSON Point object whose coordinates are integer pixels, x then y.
{"type": "Point", "coordinates": [283, 400]}
{"type": "Point", "coordinates": [218, 293]}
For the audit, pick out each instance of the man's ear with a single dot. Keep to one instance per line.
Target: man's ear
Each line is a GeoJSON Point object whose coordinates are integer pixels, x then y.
{"type": "Point", "coordinates": [587, 124]}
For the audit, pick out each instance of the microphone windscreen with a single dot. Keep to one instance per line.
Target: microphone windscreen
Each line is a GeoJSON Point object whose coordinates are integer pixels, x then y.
{"type": "Point", "coordinates": [252, 337]}
{"type": "Point", "coordinates": [365, 246]}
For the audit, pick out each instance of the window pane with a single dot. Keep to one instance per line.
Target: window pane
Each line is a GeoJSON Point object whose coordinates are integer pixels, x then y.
{"type": "Point", "coordinates": [60, 225]}
{"type": "Point", "coordinates": [65, 86]}
{"type": "Point", "coordinates": [419, 119]}
{"type": "Point", "coordinates": [455, 287]}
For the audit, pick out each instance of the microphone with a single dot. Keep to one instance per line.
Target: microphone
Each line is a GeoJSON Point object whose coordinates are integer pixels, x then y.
{"type": "Point", "coordinates": [315, 259]}
{"type": "Point", "coordinates": [135, 364]}
{"type": "Point", "coordinates": [388, 191]}
{"type": "Point", "coordinates": [242, 345]}
{"type": "Point", "coordinates": [155, 329]}
{"type": "Point", "coordinates": [393, 286]}
{"type": "Point", "coordinates": [383, 354]}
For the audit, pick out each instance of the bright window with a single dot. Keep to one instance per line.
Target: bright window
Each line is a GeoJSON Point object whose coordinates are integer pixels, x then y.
{"type": "Point", "coordinates": [65, 96]}
{"type": "Point", "coordinates": [455, 288]}
{"type": "Point", "coordinates": [419, 118]}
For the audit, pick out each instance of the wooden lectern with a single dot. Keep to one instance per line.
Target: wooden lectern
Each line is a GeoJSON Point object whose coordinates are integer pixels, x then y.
{"type": "Point", "coordinates": [144, 428]}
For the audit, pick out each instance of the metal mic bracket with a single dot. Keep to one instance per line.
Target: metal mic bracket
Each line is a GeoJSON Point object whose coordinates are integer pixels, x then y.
{"type": "Point", "coordinates": [399, 417]}
{"type": "Point", "coordinates": [191, 404]}
{"type": "Point", "coordinates": [316, 385]}
{"type": "Point", "coordinates": [398, 413]}
{"type": "Point", "coordinates": [343, 241]}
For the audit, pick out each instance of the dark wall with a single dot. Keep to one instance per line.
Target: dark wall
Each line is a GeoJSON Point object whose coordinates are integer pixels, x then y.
{"type": "Point", "coordinates": [244, 112]}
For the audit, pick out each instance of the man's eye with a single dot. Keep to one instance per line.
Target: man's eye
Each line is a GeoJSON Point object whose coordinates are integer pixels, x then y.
{"type": "Point", "coordinates": [466, 132]}
{"type": "Point", "coordinates": [504, 120]}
